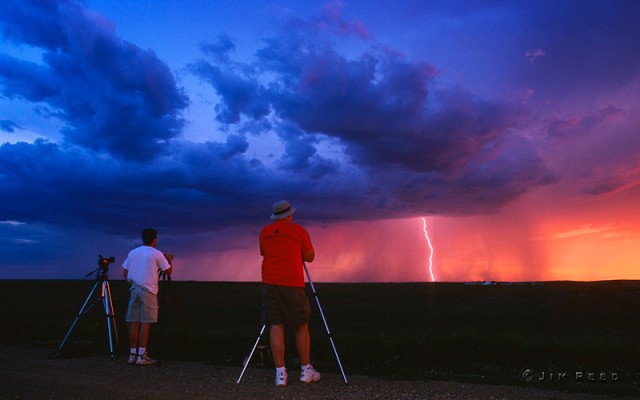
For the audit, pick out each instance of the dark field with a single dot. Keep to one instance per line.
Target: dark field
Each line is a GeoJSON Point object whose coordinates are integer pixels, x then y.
{"type": "Point", "coordinates": [443, 331]}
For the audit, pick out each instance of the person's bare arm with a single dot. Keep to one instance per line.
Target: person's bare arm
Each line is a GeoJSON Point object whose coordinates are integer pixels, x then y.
{"type": "Point", "coordinates": [308, 256]}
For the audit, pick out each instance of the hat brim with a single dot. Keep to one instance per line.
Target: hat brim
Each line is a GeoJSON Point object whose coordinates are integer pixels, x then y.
{"type": "Point", "coordinates": [276, 217]}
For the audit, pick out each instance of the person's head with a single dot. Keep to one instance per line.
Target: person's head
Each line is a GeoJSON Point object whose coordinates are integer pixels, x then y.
{"type": "Point", "coordinates": [149, 235]}
{"type": "Point", "coordinates": [282, 210]}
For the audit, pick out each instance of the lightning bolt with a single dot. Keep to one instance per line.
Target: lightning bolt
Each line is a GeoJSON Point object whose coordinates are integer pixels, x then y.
{"type": "Point", "coordinates": [426, 235]}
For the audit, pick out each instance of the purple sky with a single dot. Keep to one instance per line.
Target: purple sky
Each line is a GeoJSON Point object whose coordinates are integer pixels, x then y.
{"type": "Point", "coordinates": [195, 117]}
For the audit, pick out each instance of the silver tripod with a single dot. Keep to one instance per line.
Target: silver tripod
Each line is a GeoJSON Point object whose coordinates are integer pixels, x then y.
{"type": "Point", "coordinates": [102, 282]}
{"type": "Point", "coordinates": [326, 326]}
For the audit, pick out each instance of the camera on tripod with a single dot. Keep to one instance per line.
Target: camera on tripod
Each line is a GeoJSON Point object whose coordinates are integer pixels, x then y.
{"type": "Point", "coordinates": [103, 290]}
{"type": "Point", "coordinates": [104, 262]}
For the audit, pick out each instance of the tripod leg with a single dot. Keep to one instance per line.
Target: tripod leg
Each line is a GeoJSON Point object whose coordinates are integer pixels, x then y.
{"type": "Point", "coordinates": [83, 310]}
{"type": "Point", "coordinates": [175, 299]}
{"type": "Point", "coordinates": [246, 363]}
{"type": "Point", "coordinates": [166, 280]}
{"type": "Point", "coordinates": [111, 319]}
{"type": "Point", "coordinates": [161, 316]}
{"type": "Point", "coordinates": [326, 326]}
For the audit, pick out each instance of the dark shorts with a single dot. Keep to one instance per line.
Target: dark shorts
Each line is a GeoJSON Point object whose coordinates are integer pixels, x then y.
{"type": "Point", "coordinates": [285, 305]}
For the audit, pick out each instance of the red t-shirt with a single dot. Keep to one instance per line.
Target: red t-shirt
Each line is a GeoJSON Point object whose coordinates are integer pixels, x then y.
{"type": "Point", "coordinates": [281, 246]}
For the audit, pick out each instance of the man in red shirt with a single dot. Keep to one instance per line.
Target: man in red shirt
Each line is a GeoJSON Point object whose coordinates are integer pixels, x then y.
{"type": "Point", "coordinates": [284, 245]}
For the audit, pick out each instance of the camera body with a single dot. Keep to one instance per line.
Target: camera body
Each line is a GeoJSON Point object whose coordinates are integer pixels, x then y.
{"type": "Point", "coordinates": [104, 262]}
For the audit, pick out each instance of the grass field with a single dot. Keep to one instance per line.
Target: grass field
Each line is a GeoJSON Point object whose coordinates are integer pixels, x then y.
{"type": "Point", "coordinates": [443, 331]}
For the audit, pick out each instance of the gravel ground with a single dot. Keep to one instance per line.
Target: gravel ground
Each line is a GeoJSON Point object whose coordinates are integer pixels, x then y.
{"type": "Point", "coordinates": [27, 373]}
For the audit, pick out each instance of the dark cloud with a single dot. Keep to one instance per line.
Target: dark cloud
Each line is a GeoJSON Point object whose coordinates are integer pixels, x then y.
{"type": "Point", "coordinates": [233, 82]}
{"type": "Point", "coordinates": [8, 126]}
{"type": "Point", "coordinates": [300, 153]}
{"type": "Point", "coordinates": [419, 149]}
{"type": "Point", "coordinates": [112, 95]}
{"type": "Point", "coordinates": [403, 146]}
{"type": "Point", "coordinates": [39, 24]}
{"type": "Point", "coordinates": [27, 80]}
{"type": "Point", "coordinates": [219, 50]}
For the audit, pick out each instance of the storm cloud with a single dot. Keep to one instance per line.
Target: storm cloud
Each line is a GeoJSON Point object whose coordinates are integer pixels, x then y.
{"type": "Point", "coordinates": [112, 96]}
{"type": "Point", "coordinates": [317, 109]}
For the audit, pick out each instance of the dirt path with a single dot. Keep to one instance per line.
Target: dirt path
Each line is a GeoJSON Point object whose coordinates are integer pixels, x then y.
{"type": "Point", "coordinates": [28, 374]}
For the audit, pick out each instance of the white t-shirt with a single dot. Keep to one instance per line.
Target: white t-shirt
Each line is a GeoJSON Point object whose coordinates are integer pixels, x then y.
{"type": "Point", "coordinates": [143, 264]}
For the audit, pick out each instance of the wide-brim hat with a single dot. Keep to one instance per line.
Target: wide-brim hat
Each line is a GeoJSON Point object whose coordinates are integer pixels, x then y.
{"type": "Point", "coordinates": [282, 209]}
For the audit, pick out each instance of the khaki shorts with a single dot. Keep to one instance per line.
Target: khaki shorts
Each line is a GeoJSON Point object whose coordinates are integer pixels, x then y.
{"type": "Point", "coordinates": [143, 306]}
{"type": "Point", "coordinates": [285, 305]}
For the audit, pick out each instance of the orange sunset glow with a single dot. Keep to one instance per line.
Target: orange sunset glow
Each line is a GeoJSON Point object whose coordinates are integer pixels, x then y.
{"type": "Point", "coordinates": [528, 240]}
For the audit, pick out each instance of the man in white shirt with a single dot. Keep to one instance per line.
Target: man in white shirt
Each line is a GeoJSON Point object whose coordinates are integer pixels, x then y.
{"type": "Point", "coordinates": [141, 269]}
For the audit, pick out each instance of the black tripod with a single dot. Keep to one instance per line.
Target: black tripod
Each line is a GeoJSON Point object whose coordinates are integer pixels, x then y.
{"type": "Point", "coordinates": [102, 281]}
{"type": "Point", "coordinates": [326, 326]}
{"type": "Point", "coordinates": [166, 280]}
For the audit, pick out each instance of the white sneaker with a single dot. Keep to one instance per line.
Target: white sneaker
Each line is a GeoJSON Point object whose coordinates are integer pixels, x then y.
{"type": "Point", "coordinates": [145, 360]}
{"type": "Point", "coordinates": [308, 375]}
{"type": "Point", "coordinates": [281, 378]}
{"type": "Point", "coordinates": [133, 357]}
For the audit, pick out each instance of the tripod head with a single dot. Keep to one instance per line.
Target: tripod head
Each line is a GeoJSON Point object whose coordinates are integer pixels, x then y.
{"type": "Point", "coordinates": [104, 262]}
{"type": "Point", "coordinates": [161, 273]}
{"type": "Point", "coordinates": [103, 266]}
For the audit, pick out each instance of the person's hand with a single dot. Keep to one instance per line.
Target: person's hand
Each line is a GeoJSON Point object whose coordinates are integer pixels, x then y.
{"type": "Point", "coordinates": [169, 257]}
